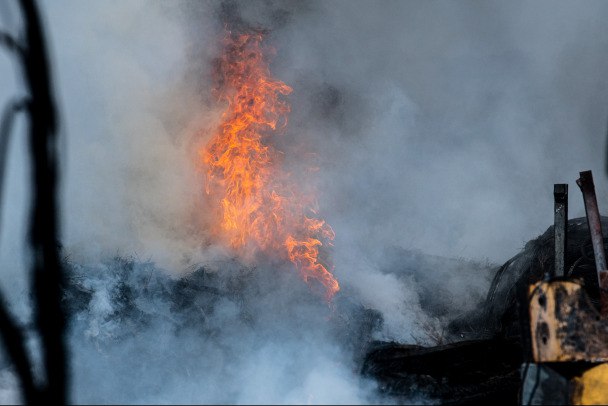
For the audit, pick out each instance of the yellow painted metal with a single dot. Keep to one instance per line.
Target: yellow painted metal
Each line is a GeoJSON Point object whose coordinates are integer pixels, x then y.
{"type": "Point", "coordinates": [564, 326]}
{"type": "Point", "coordinates": [591, 388]}
{"type": "Point", "coordinates": [544, 325]}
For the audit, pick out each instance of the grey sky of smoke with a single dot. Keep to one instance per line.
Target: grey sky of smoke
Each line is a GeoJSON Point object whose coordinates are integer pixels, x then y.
{"type": "Point", "coordinates": [450, 126]}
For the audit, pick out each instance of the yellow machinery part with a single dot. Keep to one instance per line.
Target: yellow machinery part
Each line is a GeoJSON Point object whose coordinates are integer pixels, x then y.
{"type": "Point", "coordinates": [591, 388]}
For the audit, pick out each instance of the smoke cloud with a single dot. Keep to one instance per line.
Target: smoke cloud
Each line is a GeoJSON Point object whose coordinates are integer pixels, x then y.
{"type": "Point", "coordinates": [438, 129]}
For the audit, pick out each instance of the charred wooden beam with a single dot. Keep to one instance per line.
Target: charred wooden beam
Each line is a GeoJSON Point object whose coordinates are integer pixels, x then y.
{"type": "Point", "coordinates": [560, 227]}
{"type": "Point", "coordinates": [585, 182]}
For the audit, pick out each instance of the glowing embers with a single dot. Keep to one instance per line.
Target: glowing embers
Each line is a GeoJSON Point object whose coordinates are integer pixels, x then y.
{"type": "Point", "coordinates": [260, 209]}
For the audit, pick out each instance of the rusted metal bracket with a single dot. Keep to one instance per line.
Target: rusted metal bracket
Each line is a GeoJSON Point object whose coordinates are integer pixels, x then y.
{"type": "Point", "coordinates": [585, 182]}
{"type": "Point", "coordinates": [560, 228]}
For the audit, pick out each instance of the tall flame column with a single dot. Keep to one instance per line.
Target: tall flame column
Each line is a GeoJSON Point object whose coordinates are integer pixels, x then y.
{"type": "Point", "coordinates": [260, 209]}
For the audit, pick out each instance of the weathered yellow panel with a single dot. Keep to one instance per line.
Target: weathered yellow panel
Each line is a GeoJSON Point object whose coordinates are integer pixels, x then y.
{"type": "Point", "coordinates": [590, 388]}
{"type": "Point", "coordinates": [546, 345]}
{"type": "Point", "coordinates": [564, 326]}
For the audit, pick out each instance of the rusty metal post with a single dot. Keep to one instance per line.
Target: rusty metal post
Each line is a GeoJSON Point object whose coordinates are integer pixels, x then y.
{"type": "Point", "coordinates": [560, 227]}
{"type": "Point", "coordinates": [585, 182]}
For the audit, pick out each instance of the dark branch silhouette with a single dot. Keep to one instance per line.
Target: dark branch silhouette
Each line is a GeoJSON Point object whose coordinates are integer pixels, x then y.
{"type": "Point", "coordinates": [6, 126]}
{"type": "Point", "coordinates": [47, 272]}
{"type": "Point", "coordinates": [11, 333]}
{"type": "Point", "coordinates": [14, 342]}
{"type": "Point", "coordinates": [10, 43]}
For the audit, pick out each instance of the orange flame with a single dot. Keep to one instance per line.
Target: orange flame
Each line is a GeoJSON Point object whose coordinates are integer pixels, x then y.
{"type": "Point", "coordinates": [260, 209]}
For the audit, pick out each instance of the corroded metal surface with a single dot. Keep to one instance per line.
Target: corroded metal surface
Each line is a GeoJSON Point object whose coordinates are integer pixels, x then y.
{"type": "Point", "coordinates": [560, 227]}
{"type": "Point", "coordinates": [564, 325]}
{"type": "Point", "coordinates": [585, 182]}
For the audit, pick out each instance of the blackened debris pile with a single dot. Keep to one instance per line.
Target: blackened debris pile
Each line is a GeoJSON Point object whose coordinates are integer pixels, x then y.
{"type": "Point", "coordinates": [486, 368]}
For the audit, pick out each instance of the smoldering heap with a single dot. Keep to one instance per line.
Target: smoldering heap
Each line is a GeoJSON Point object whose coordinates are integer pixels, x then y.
{"type": "Point", "coordinates": [217, 320]}
{"type": "Point", "coordinates": [198, 337]}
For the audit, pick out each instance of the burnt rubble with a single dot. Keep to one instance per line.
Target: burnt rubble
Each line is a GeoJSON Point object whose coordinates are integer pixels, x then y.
{"type": "Point", "coordinates": [487, 367]}
{"type": "Point", "coordinates": [124, 296]}
{"type": "Point", "coordinates": [477, 359]}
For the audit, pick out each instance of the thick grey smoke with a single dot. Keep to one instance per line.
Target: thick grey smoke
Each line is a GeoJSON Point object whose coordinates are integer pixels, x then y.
{"type": "Point", "coordinates": [437, 127]}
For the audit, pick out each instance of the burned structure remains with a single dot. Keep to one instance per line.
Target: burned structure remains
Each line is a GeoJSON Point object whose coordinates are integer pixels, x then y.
{"type": "Point", "coordinates": [538, 337]}
{"type": "Point", "coordinates": [541, 337]}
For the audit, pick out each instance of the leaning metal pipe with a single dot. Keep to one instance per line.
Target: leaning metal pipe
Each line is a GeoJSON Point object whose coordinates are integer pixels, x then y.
{"type": "Point", "coordinates": [585, 182]}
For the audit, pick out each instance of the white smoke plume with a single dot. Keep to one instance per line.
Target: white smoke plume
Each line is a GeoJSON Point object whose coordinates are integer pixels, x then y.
{"type": "Point", "coordinates": [438, 128]}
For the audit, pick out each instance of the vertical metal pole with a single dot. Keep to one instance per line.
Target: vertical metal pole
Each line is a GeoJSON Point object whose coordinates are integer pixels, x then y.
{"type": "Point", "coordinates": [560, 227]}
{"type": "Point", "coordinates": [585, 182]}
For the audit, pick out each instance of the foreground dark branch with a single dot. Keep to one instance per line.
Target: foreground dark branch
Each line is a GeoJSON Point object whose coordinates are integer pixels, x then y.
{"type": "Point", "coordinates": [47, 273]}
{"type": "Point", "coordinates": [14, 342]}
{"type": "Point", "coordinates": [47, 270]}
{"type": "Point", "coordinates": [10, 332]}
{"type": "Point", "coordinates": [10, 43]}
{"type": "Point", "coordinates": [6, 126]}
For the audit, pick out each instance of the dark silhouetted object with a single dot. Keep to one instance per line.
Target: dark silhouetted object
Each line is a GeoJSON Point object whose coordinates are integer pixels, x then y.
{"type": "Point", "coordinates": [560, 227]}
{"type": "Point", "coordinates": [47, 273]}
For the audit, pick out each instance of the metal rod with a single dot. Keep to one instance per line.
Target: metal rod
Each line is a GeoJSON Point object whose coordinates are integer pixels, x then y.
{"type": "Point", "coordinates": [585, 182]}
{"type": "Point", "coordinates": [560, 228]}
